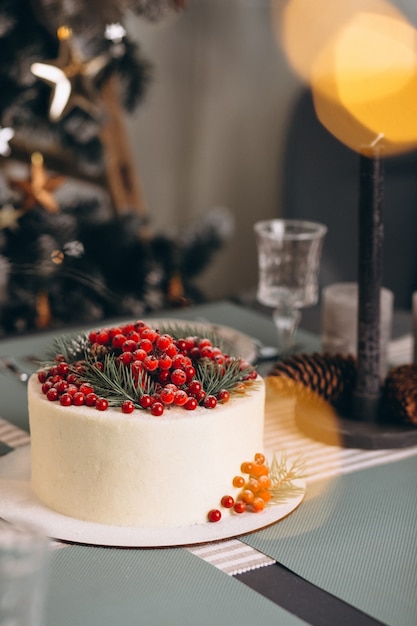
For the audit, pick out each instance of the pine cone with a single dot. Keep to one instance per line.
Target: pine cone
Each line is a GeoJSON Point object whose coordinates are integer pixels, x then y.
{"type": "Point", "coordinates": [332, 377]}
{"type": "Point", "coordinates": [98, 351]}
{"type": "Point", "coordinates": [399, 395]}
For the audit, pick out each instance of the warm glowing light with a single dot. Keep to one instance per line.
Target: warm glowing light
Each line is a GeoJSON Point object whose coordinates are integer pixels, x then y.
{"type": "Point", "coordinates": [361, 63]}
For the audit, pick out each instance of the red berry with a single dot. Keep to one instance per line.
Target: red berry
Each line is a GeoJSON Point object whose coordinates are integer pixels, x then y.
{"type": "Point", "coordinates": [115, 331]}
{"type": "Point", "coordinates": [178, 377]}
{"type": "Point", "coordinates": [86, 389]}
{"type": "Point", "coordinates": [206, 352]}
{"type": "Point", "coordinates": [133, 335]}
{"type": "Point", "coordinates": [164, 376]}
{"type": "Point", "coordinates": [150, 363]}
{"type": "Point", "coordinates": [189, 372]}
{"type": "Point", "coordinates": [42, 376]}
{"type": "Point", "coordinates": [204, 342]}
{"type": "Point", "coordinates": [52, 394]}
{"type": "Point", "coordinates": [118, 340]}
{"type": "Point", "coordinates": [145, 344]}
{"type": "Point", "coordinates": [164, 362]}
{"type": "Point", "coordinates": [129, 346]}
{"type": "Point", "coordinates": [171, 350]}
{"type": "Point", "coordinates": [167, 396]}
{"type": "Point", "coordinates": [103, 337]}
{"type": "Point", "coordinates": [163, 342]}
{"type": "Point", "coordinates": [145, 401]}
{"type": "Point", "coordinates": [91, 399]}
{"type": "Point", "coordinates": [72, 389]}
{"type": "Point", "coordinates": [181, 345]}
{"type": "Point", "coordinates": [125, 358]}
{"type": "Point", "coordinates": [128, 327]}
{"type": "Point", "coordinates": [72, 379]}
{"type": "Point", "coordinates": [180, 397]}
{"type": "Point", "coordinates": [63, 368]}
{"type": "Point", "coordinates": [210, 402]}
{"type": "Point", "coordinates": [195, 387]}
{"type": "Point", "coordinates": [102, 404]}
{"type": "Point", "coordinates": [128, 406]}
{"type": "Point", "coordinates": [139, 354]}
{"type": "Point", "coordinates": [200, 396]}
{"type": "Point", "coordinates": [191, 404]}
{"type": "Point", "coordinates": [223, 396]}
{"type": "Point", "coordinates": [78, 398]}
{"type": "Point", "coordinates": [214, 515]}
{"type": "Point", "coordinates": [228, 502]}
{"type": "Point", "coordinates": [239, 507]}
{"type": "Point", "coordinates": [157, 408]}
{"type": "Point", "coordinates": [92, 337]}
{"type": "Point", "coordinates": [190, 343]}
{"type": "Point", "coordinates": [137, 368]}
{"type": "Point", "coordinates": [46, 386]}
{"type": "Point", "coordinates": [61, 386]}
{"type": "Point", "coordinates": [66, 399]}
{"type": "Point", "coordinates": [149, 334]}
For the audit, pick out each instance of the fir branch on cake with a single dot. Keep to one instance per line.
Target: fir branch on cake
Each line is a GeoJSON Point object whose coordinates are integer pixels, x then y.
{"type": "Point", "coordinates": [71, 346]}
{"type": "Point", "coordinates": [115, 382]}
{"type": "Point", "coordinates": [229, 376]}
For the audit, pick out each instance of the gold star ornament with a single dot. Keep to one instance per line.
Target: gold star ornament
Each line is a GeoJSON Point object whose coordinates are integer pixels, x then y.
{"type": "Point", "coordinates": [9, 217]}
{"type": "Point", "coordinates": [70, 77]}
{"type": "Point", "coordinates": [38, 190]}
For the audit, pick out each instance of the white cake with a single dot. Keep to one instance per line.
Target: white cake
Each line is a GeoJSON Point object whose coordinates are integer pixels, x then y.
{"type": "Point", "coordinates": [139, 469]}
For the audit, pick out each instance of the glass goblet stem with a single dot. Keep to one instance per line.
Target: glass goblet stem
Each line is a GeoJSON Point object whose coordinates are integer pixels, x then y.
{"type": "Point", "coordinates": [286, 319]}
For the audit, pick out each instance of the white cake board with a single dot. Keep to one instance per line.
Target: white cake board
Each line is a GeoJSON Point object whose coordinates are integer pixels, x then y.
{"type": "Point", "coordinates": [18, 504]}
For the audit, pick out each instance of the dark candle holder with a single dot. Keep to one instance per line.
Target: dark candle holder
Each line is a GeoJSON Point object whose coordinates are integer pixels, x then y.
{"type": "Point", "coordinates": [361, 426]}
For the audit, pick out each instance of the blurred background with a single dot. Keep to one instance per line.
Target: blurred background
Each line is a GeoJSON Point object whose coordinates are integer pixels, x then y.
{"type": "Point", "coordinates": [213, 131]}
{"type": "Point", "coordinates": [228, 122]}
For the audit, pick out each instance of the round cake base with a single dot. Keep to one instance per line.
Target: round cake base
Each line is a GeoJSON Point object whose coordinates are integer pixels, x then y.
{"type": "Point", "coordinates": [334, 429]}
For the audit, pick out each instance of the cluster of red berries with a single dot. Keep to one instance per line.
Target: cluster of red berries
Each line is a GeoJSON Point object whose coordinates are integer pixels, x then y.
{"type": "Point", "coordinates": [168, 364]}
{"type": "Point", "coordinates": [254, 490]}
{"type": "Point", "coordinates": [64, 384]}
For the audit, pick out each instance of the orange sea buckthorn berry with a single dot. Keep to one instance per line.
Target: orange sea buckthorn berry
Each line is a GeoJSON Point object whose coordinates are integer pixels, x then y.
{"type": "Point", "coordinates": [246, 467]}
{"type": "Point", "coordinates": [259, 470]}
{"type": "Point", "coordinates": [264, 494]}
{"type": "Point", "coordinates": [238, 481]}
{"type": "Point", "coordinates": [264, 482]}
{"type": "Point", "coordinates": [253, 485]}
{"type": "Point", "coordinates": [259, 458]}
{"type": "Point", "coordinates": [247, 496]}
{"type": "Point", "coordinates": [258, 505]}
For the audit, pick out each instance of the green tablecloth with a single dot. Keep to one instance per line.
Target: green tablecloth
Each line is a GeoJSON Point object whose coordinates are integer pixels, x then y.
{"type": "Point", "coordinates": [171, 587]}
{"type": "Point", "coordinates": [356, 537]}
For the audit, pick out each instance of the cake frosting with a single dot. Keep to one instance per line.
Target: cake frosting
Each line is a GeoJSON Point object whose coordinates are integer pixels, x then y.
{"type": "Point", "coordinates": [137, 468]}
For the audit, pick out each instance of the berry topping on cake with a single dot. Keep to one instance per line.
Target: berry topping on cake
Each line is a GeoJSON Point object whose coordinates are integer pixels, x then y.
{"type": "Point", "coordinates": [135, 366]}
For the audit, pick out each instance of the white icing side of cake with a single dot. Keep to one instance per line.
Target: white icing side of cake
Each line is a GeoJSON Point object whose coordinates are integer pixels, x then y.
{"type": "Point", "coordinates": [137, 469]}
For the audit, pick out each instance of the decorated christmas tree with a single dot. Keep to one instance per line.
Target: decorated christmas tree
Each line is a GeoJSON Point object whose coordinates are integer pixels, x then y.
{"type": "Point", "coordinates": [76, 240]}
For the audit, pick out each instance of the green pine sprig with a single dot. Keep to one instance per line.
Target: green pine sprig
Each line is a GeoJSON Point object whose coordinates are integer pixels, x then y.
{"type": "Point", "coordinates": [216, 377]}
{"type": "Point", "coordinates": [116, 382]}
{"type": "Point", "coordinates": [72, 346]}
{"type": "Point", "coordinates": [282, 478]}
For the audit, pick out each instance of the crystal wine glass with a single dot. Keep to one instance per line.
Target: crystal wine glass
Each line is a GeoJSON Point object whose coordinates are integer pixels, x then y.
{"type": "Point", "coordinates": [289, 253]}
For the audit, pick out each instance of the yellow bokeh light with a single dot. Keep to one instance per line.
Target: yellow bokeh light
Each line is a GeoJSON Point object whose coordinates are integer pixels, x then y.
{"type": "Point", "coordinates": [361, 63]}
